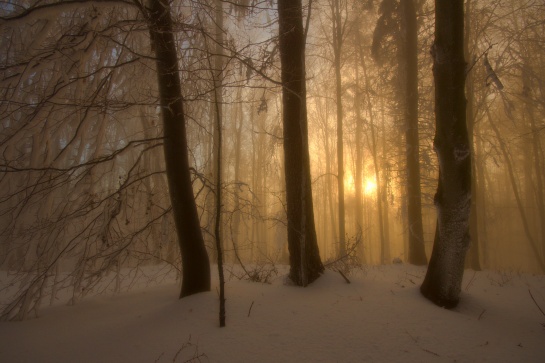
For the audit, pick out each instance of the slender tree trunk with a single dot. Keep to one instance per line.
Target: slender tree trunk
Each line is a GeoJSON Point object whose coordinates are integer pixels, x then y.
{"type": "Point", "coordinates": [513, 182]}
{"type": "Point", "coordinates": [218, 109]}
{"type": "Point", "coordinates": [237, 130]}
{"type": "Point", "coordinates": [443, 280]}
{"type": "Point", "coordinates": [195, 263]}
{"type": "Point", "coordinates": [536, 157]}
{"type": "Point", "coordinates": [374, 152]}
{"type": "Point", "coordinates": [217, 226]}
{"type": "Point", "coordinates": [358, 179]}
{"type": "Point", "coordinates": [332, 216]}
{"type": "Point", "coordinates": [218, 145]}
{"type": "Point", "coordinates": [481, 201]}
{"type": "Point", "coordinates": [417, 252]}
{"type": "Point", "coordinates": [337, 48]}
{"type": "Point", "coordinates": [385, 167]}
{"type": "Point", "coordinates": [305, 263]}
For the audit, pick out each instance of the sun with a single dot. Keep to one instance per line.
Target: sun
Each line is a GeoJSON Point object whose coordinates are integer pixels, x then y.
{"type": "Point", "coordinates": [370, 186]}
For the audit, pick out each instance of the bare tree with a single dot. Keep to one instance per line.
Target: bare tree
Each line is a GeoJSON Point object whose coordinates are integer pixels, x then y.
{"type": "Point", "coordinates": [79, 95]}
{"type": "Point", "coordinates": [339, 28]}
{"type": "Point", "coordinates": [398, 23]}
{"type": "Point", "coordinates": [195, 263]}
{"type": "Point", "coordinates": [417, 252]}
{"type": "Point", "coordinates": [443, 280]}
{"type": "Point", "coordinates": [305, 263]}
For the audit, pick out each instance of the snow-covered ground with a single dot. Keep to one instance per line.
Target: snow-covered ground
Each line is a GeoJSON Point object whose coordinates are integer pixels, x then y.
{"type": "Point", "coordinates": [379, 317]}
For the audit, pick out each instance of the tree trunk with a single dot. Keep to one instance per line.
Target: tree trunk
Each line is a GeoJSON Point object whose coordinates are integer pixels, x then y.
{"type": "Point", "coordinates": [386, 253]}
{"type": "Point", "coordinates": [443, 280]}
{"type": "Point", "coordinates": [482, 200]}
{"type": "Point", "coordinates": [417, 252]}
{"type": "Point", "coordinates": [195, 263]}
{"type": "Point", "coordinates": [218, 145]}
{"type": "Point", "coordinates": [536, 157]}
{"type": "Point", "coordinates": [358, 179]}
{"type": "Point", "coordinates": [305, 263]}
{"type": "Point", "coordinates": [337, 47]}
{"type": "Point", "coordinates": [374, 152]}
{"type": "Point", "coordinates": [218, 116]}
{"type": "Point", "coordinates": [237, 131]}
{"type": "Point", "coordinates": [332, 216]}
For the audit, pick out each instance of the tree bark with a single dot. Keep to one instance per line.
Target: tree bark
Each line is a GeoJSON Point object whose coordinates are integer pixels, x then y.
{"type": "Point", "coordinates": [443, 280]}
{"type": "Point", "coordinates": [195, 263]}
{"type": "Point", "coordinates": [305, 263]}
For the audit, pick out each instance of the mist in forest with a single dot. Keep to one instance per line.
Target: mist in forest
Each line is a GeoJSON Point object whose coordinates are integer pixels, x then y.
{"type": "Point", "coordinates": [84, 191]}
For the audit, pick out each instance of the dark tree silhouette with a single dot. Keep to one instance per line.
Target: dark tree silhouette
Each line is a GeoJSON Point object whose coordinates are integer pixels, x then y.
{"type": "Point", "coordinates": [305, 263]}
{"type": "Point", "coordinates": [443, 280]}
{"type": "Point", "coordinates": [195, 263]}
{"type": "Point", "coordinates": [417, 252]}
{"type": "Point", "coordinates": [398, 21]}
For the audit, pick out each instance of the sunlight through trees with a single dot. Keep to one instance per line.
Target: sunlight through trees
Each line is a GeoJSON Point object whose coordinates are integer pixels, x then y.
{"type": "Point", "coordinates": [127, 140]}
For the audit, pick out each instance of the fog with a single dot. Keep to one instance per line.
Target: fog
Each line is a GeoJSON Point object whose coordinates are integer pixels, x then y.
{"type": "Point", "coordinates": [83, 185]}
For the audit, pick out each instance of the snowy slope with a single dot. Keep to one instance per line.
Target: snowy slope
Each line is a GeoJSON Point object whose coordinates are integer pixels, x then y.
{"type": "Point", "coordinates": [379, 317]}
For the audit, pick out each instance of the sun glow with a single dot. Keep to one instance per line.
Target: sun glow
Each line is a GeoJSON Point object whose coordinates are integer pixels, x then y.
{"type": "Point", "coordinates": [370, 187]}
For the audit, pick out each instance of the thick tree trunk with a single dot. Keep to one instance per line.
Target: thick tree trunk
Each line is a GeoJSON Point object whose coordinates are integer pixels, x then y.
{"type": "Point", "coordinates": [443, 280]}
{"type": "Point", "coordinates": [195, 263]}
{"type": "Point", "coordinates": [417, 252]}
{"type": "Point", "coordinates": [305, 263]}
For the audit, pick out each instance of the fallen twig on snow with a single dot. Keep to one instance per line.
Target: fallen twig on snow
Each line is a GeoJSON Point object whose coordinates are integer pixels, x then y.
{"type": "Point", "coordinates": [535, 302]}
{"type": "Point", "coordinates": [344, 276]}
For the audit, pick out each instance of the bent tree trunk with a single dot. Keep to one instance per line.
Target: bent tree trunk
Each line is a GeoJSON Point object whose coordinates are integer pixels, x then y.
{"type": "Point", "coordinates": [305, 263]}
{"type": "Point", "coordinates": [443, 280]}
{"type": "Point", "coordinates": [195, 263]}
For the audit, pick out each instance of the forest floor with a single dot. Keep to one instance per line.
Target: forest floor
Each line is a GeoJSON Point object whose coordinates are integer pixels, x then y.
{"type": "Point", "coordinates": [379, 317]}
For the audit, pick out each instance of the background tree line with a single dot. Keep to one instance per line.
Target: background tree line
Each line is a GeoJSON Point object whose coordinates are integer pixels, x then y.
{"type": "Point", "coordinates": [85, 185]}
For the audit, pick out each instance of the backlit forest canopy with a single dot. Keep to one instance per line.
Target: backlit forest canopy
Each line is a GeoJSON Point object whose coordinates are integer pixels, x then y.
{"type": "Point", "coordinates": [83, 190]}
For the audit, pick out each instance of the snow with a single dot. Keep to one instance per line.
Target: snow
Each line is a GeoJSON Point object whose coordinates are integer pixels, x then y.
{"type": "Point", "coordinates": [379, 317]}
